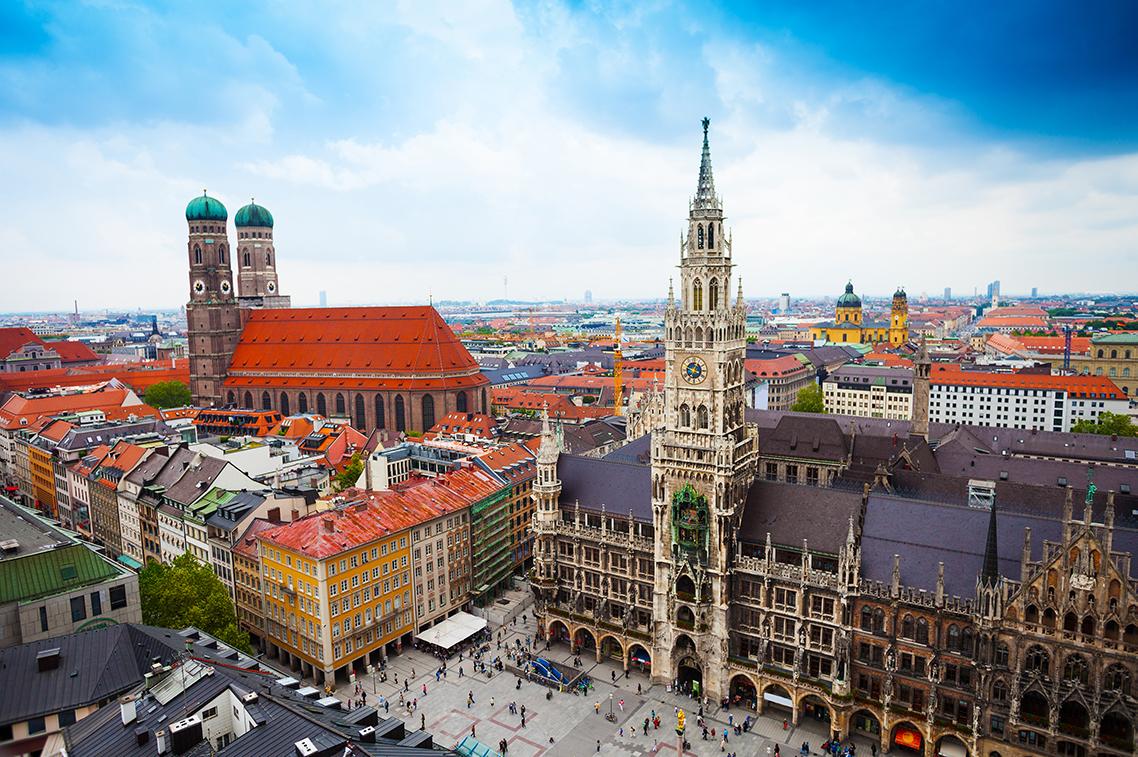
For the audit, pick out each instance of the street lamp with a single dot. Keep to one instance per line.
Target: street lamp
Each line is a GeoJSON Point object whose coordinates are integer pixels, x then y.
{"type": "Point", "coordinates": [611, 716]}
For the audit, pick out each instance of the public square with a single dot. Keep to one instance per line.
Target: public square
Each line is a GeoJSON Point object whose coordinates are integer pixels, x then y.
{"type": "Point", "coordinates": [565, 725]}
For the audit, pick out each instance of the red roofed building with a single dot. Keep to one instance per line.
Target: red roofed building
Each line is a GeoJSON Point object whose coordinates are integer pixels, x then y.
{"type": "Point", "coordinates": [1019, 400]}
{"type": "Point", "coordinates": [784, 378]}
{"type": "Point", "coordinates": [385, 367]}
{"type": "Point", "coordinates": [22, 351]}
{"type": "Point", "coordinates": [138, 376]}
{"type": "Point", "coordinates": [468, 427]}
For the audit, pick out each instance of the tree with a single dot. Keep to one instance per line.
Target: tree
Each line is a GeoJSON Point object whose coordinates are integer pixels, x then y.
{"type": "Point", "coordinates": [188, 593]}
{"type": "Point", "coordinates": [166, 394]}
{"type": "Point", "coordinates": [348, 477]}
{"type": "Point", "coordinates": [809, 400]}
{"type": "Point", "coordinates": [1108, 424]}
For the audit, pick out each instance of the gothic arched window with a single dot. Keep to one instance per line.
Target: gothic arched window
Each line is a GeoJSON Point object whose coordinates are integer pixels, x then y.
{"type": "Point", "coordinates": [321, 404]}
{"type": "Point", "coordinates": [361, 419]}
{"type": "Point", "coordinates": [699, 236]}
{"type": "Point", "coordinates": [907, 628]}
{"type": "Point", "coordinates": [400, 414]}
{"type": "Point", "coordinates": [1037, 660]}
{"type": "Point", "coordinates": [879, 620]}
{"type": "Point", "coordinates": [221, 254]}
{"type": "Point", "coordinates": [697, 295]}
{"type": "Point", "coordinates": [922, 631]}
{"type": "Point", "coordinates": [341, 407]}
{"type": "Point", "coordinates": [284, 404]}
{"type": "Point", "coordinates": [685, 416]}
{"type": "Point", "coordinates": [701, 416]}
{"type": "Point", "coordinates": [711, 236]}
{"type": "Point", "coordinates": [954, 638]}
{"type": "Point", "coordinates": [428, 411]}
{"type": "Point", "coordinates": [999, 691]}
{"type": "Point", "coordinates": [248, 400]}
{"type": "Point", "coordinates": [1117, 678]}
{"type": "Point", "coordinates": [460, 402]}
{"type": "Point", "coordinates": [713, 294]}
{"type": "Point", "coordinates": [268, 258]}
{"type": "Point", "coordinates": [866, 618]}
{"type": "Point", "coordinates": [197, 255]}
{"type": "Point", "coordinates": [1075, 669]}
{"type": "Point", "coordinates": [266, 401]}
{"type": "Point", "coordinates": [230, 399]}
{"type": "Point", "coordinates": [246, 259]}
{"type": "Point", "coordinates": [302, 403]}
{"type": "Point", "coordinates": [380, 420]}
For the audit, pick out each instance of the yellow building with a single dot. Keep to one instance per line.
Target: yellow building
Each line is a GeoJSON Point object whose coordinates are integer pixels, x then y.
{"type": "Point", "coordinates": [336, 589]}
{"type": "Point", "coordinates": [849, 326]}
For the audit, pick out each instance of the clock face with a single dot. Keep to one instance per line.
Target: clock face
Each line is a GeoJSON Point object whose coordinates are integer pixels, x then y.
{"type": "Point", "coordinates": [225, 287]}
{"type": "Point", "coordinates": [271, 287]}
{"type": "Point", "coordinates": [199, 286]}
{"type": "Point", "coordinates": [695, 370]}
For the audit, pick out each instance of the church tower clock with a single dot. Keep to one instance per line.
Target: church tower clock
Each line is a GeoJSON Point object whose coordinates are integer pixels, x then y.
{"type": "Point", "coordinates": [212, 317]}
{"type": "Point", "coordinates": [703, 460]}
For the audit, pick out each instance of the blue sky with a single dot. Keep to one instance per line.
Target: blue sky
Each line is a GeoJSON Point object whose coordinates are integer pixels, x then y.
{"type": "Point", "coordinates": [413, 148]}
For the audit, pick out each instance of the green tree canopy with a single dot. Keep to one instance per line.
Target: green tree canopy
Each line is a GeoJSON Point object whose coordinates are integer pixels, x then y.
{"type": "Point", "coordinates": [809, 400]}
{"type": "Point", "coordinates": [166, 394]}
{"type": "Point", "coordinates": [187, 593]}
{"type": "Point", "coordinates": [348, 477]}
{"type": "Point", "coordinates": [1108, 424]}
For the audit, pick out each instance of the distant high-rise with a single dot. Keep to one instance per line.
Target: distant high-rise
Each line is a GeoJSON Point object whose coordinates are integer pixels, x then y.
{"type": "Point", "coordinates": [947, 294]}
{"type": "Point", "coordinates": [323, 299]}
{"type": "Point", "coordinates": [784, 302]}
{"type": "Point", "coordinates": [588, 296]}
{"type": "Point", "coordinates": [1034, 292]}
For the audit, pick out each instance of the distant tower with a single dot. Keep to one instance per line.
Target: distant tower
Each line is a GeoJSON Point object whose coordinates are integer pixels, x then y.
{"type": "Point", "coordinates": [211, 314]}
{"type": "Point", "coordinates": [257, 284]}
{"type": "Point", "coordinates": [1034, 292]}
{"type": "Point", "coordinates": [948, 294]}
{"type": "Point", "coordinates": [588, 296]}
{"type": "Point", "coordinates": [899, 319]}
{"type": "Point", "coordinates": [784, 303]}
{"type": "Point", "coordinates": [922, 369]}
{"type": "Point", "coordinates": [323, 299]}
{"type": "Point", "coordinates": [849, 306]}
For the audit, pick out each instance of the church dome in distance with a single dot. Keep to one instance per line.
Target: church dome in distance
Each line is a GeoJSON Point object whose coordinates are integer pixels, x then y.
{"type": "Point", "coordinates": [206, 208]}
{"type": "Point", "coordinates": [253, 215]}
{"type": "Point", "coordinates": [849, 299]}
{"type": "Point", "coordinates": [900, 294]}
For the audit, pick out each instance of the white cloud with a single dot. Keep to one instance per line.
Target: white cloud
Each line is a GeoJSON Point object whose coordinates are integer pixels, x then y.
{"type": "Point", "coordinates": [509, 181]}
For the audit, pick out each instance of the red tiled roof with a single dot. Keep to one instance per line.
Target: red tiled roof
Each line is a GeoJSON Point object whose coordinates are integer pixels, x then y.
{"type": "Point", "coordinates": [138, 376]}
{"type": "Point", "coordinates": [376, 347]}
{"type": "Point", "coordinates": [474, 424]}
{"type": "Point", "coordinates": [20, 411]}
{"type": "Point", "coordinates": [368, 516]}
{"type": "Point", "coordinates": [73, 352]}
{"type": "Point", "coordinates": [1013, 322]}
{"type": "Point", "coordinates": [1078, 386]}
{"type": "Point", "coordinates": [515, 462]}
{"type": "Point", "coordinates": [175, 413]}
{"type": "Point", "coordinates": [247, 544]}
{"type": "Point", "coordinates": [122, 457]}
{"type": "Point", "coordinates": [12, 339]}
{"type": "Point", "coordinates": [1080, 345]}
{"type": "Point", "coordinates": [778, 366]}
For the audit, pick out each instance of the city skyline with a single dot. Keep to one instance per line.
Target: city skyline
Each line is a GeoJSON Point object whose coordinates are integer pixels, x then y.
{"type": "Point", "coordinates": [445, 149]}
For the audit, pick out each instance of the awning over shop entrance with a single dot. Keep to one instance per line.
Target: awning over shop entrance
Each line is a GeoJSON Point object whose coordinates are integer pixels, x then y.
{"type": "Point", "coordinates": [452, 631]}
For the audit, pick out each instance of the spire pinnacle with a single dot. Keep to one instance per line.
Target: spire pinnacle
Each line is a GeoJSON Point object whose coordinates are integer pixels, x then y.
{"type": "Point", "coordinates": [705, 191]}
{"type": "Point", "coordinates": [990, 572]}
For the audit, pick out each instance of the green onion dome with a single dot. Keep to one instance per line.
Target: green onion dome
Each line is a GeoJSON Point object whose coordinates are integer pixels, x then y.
{"type": "Point", "coordinates": [849, 299]}
{"type": "Point", "coordinates": [253, 215]}
{"type": "Point", "coordinates": [206, 208]}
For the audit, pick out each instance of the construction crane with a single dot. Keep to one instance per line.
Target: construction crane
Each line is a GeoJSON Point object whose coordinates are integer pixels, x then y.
{"type": "Point", "coordinates": [618, 373]}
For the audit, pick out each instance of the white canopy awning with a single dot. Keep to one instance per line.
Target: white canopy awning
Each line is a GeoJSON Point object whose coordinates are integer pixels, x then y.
{"type": "Point", "coordinates": [452, 631]}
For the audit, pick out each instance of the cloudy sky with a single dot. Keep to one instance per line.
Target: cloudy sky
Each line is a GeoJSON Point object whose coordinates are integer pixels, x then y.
{"type": "Point", "coordinates": [415, 148]}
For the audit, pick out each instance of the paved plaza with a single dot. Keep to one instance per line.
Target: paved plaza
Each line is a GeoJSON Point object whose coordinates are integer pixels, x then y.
{"type": "Point", "coordinates": [566, 725]}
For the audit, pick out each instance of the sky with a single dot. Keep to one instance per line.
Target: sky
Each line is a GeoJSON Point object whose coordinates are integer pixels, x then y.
{"type": "Point", "coordinates": [471, 150]}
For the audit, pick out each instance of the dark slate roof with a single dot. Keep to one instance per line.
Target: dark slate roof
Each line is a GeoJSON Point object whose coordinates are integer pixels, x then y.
{"type": "Point", "coordinates": [637, 451]}
{"type": "Point", "coordinates": [791, 513]}
{"type": "Point", "coordinates": [508, 375]}
{"type": "Point", "coordinates": [804, 435]}
{"type": "Point", "coordinates": [93, 665]}
{"type": "Point", "coordinates": [196, 480]}
{"type": "Point", "coordinates": [616, 486]}
{"type": "Point", "coordinates": [931, 522]}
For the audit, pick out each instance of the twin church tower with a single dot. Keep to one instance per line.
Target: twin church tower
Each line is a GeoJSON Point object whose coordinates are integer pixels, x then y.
{"type": "Point", "coordinates": [214, 314]}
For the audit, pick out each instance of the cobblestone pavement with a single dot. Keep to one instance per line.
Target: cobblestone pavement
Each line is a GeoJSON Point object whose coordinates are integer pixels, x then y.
{"type": "Point", "coordinates": [566, 725]}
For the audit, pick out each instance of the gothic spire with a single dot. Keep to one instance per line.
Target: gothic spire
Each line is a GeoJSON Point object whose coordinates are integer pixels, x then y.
{"type": "Point", "coordinates": [705, 192]}
{"type": "Point", "coordinates": [990, 572]}
{"type": "Point", "coordinates": [547, 452]}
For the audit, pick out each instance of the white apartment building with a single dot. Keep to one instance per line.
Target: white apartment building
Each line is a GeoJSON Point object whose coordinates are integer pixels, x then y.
{"type": "Point", "coordinates": [870, 392]}
{"type": "Point", "coordinates": [1020, 400]}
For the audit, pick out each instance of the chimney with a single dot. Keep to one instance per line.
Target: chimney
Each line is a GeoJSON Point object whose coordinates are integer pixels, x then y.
{"type": "Point", "coordinates": [128, 709]}
{"type": "Point", "coordinates": [274, 515]}
{"type": "Point", "coordinates": [162, 740]}
{"type": "Point", "coordinates": [329, 525]}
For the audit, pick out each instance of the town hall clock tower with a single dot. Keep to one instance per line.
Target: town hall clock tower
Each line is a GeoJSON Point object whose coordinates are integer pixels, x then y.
{"type": "Point", "coordinates": [703, 460]}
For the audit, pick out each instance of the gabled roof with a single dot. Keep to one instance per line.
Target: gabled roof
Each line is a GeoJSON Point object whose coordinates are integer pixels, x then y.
{"type": "Point", "coordinates": [12, 339]}
{"type": "Point", "coordinates": [73, 352]}
{"type": "Point", "coordinates": [381, 347]}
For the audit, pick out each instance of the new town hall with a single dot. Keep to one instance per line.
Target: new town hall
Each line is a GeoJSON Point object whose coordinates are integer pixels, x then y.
{"type": "Point", "coordinates": [944, 590]}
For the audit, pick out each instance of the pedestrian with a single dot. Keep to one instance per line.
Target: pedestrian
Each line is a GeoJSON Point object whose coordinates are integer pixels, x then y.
{"type": "Point", "coordinates": [873, 749]}
{"type": "Point", "coordinates": [597, 707]}
{"type": "Point", "coordinates": [424, 689]}
{"type": "Point", "coordinates": [622, 732]}
{"type": "Point", "coordinates": [725, 739]}
{"type": "Point", "coordinates": [523, 720]}
{"type": "Point", "coordinates": [730, 718]}
{"type": "Point", "coordinates": [638, 690]}
{"type": "Point", "coordinates": [386, 707]}
{"type": "Point", "coordinates": [621, 703]}
{"type": "Point", "coordinates": [423, 721]}
{"type": "Point", "coordinates": [613, 676]}
{"type": "Point", "coordinates": [723, 744]}
{"type": "Point", "coordinates": [472, 731]}
{"type": "Point", "coordinates": [598, 745]}
{"type": "Point", "coordinates": [460, 673]}
{"type": "Point", "coordinates": [645, 726]}
{"type": "Point", "coordinates": [491, 701]}
{"type": "Point", "coordinates": [523, 712]}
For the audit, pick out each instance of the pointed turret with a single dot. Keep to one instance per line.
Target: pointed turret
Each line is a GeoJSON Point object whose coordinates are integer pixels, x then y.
{"type": "Point", "coordinates": [547, 453]}
{"type": "Point", "coordinates": [705, 191]}
{"type": "Point", "coordinates": [990, 571]}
